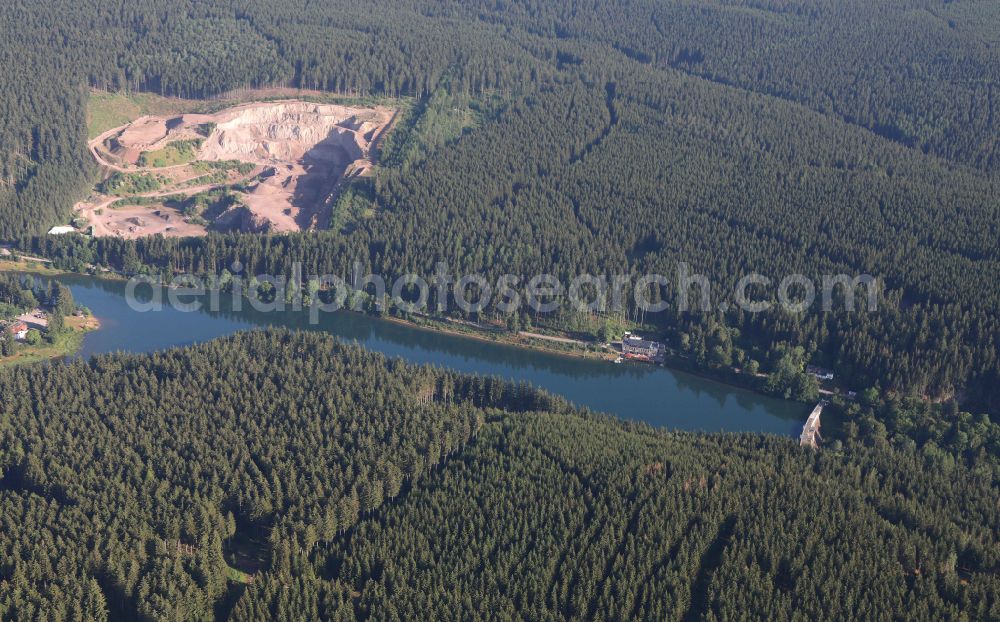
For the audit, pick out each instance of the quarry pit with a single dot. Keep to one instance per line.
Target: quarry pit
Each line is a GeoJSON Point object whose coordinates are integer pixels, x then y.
{"type": "Point", "coordinates": [266, 167]}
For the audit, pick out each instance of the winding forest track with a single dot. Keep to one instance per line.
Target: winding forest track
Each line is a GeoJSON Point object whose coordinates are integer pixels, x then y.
{"type": "Point", "coordinates": [99, 140]}
{"type": "Point", "coordinates": [102, 228]}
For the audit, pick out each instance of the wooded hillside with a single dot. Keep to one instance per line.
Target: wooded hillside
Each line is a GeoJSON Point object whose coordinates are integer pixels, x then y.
{"type": "Point", "coordinates": [356, 487]}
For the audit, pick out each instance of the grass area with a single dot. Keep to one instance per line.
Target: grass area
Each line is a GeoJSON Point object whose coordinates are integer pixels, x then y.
{"type": "Point", "coordinates": [435, 122]}
{"type": "Point", "coordinates": [208, 205]}
{"type": "Point", "coordinates": [238, 576]}
{"type": "Point", "coordinates": [129, 185]}
{"type": "Point", "coordinates": [124, 184]}
{"type": "Point", "coordinates": [108, 110]}
{"type": "Point", "coordinates": [216, 172]}
{"type": "Point", "coordinates": [139, 201]}
{"type": "Point", "coordinates": [174, 153]}
{"type": "Point", "coordinates": [65, 344]}
{"type": "Point", "coordinates": [28, 266]}
{"type": "Point", "coordinates": [219, 177]}
{"type": "Point", "coordinates": [367, 101]}
{"type": "Point", "coordinates": [204, 166]}
{"type": "Point", "coordinates": [354, 205]}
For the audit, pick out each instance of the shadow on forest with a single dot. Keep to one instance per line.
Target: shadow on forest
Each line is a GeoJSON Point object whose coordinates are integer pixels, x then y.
{"type": "Point", "coordinates": [337, 548]}
{"type": "Point", "coordinates": [121, 607]}
{"type": "Point", "coordinates": [710, 561]}
{"type": "Point", "coordinates": [249, 551]}
{"type": "Point", "coordinates": [224, 607]}
{"type": "Point", "coordinates": [16, 479]}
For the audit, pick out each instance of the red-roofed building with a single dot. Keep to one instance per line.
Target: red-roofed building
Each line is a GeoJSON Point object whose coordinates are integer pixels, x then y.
{"type": "Point", "coordinates": [19, 330]}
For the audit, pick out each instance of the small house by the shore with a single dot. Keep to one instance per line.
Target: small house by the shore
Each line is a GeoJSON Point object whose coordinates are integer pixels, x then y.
{"type": "Point", "coordinates": [19, 330]}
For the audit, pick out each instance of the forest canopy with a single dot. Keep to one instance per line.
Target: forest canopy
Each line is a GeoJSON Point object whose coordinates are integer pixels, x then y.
{"type": "Point", "coordinates": [277, 475]}
{"type": "Point", "coordinates": [793, 136]}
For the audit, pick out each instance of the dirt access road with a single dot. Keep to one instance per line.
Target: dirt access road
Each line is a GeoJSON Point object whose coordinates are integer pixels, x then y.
{"type": "Point", "coordinates": [108, 221]}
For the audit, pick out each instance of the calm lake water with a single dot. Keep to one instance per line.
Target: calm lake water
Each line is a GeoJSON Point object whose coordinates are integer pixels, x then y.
{"type": "Point", "coordinates": [658, 396]}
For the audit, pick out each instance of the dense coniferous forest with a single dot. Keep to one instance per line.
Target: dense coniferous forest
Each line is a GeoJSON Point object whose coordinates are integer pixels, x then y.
{"type": "Point", "coordinates": [351, 486]}
{"type": "Point", "coordinates": [774, 136]}
{"type": "Point", "coordinates": [286, 476]}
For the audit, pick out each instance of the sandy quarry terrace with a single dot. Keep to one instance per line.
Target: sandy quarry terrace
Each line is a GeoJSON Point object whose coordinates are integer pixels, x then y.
{"type": "Point", "coordinates": [303, 153]}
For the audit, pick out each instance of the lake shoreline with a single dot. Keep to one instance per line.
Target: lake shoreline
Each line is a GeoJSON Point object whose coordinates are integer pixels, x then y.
{"type": "Point", "coordinates": [66, 345]}
{"type": "Point", "coordinates": [438, 325]}
{"type": "Point", "coordinates": [448, 326]}
{"type": "Point", "coordinates": [659, 396]}
{"type": "Point", "coordinates": [674, 362]}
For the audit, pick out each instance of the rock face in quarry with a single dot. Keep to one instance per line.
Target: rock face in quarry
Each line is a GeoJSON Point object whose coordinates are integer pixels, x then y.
{"type": "Point", "coordinates": [242, 220]}
{"type": "Point", "coordinates": [290, 132]}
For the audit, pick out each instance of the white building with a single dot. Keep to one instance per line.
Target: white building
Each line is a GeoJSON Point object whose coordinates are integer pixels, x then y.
{"type": "Point", "coordinates": [19, 330]}
{"type": "Point", "coordinates": [637, 347]}
{"type": "Point", "coordinates": [820, 372]}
